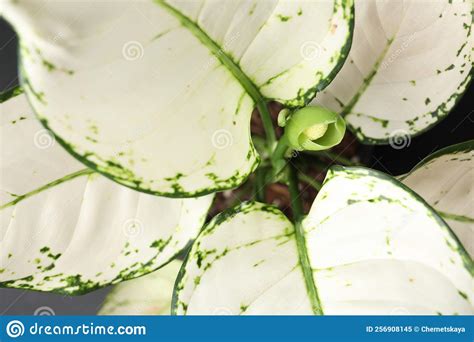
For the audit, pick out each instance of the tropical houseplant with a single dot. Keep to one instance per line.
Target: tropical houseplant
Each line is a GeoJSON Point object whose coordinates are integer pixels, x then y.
{"type": "Point", "coordinates": [131, 115]}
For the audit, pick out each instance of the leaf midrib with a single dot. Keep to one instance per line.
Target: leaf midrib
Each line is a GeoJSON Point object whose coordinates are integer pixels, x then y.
{"type": "Point", "coordinates": [226, 60]}
{"type": "Point", "coordinates": [47, 186]}
{"type": "Point", "coordinates": [367, 80]}
{"type": "Point", "coordinates": [216, 50]}
{"type": "Point", "coordinates": [307, 270]}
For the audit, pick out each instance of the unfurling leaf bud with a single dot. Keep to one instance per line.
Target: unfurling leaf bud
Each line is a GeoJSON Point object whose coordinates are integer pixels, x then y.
{"type": "Point", "coordinates": [314, 129]}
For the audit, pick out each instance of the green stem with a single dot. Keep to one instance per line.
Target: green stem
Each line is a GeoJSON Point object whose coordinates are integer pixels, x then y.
{"type": "Point", "coordinates": [260, 185]}
{"type": "Point", "coordinates": [303, 256]}
{"type": "Point", "coordinates": [311, 181]}
{"type": "Point", "coordinates": [278, 155]}
{"type": "Point", "coordinates": [267, 124]}
{"type": "Point", "coordinates": [296, 203]}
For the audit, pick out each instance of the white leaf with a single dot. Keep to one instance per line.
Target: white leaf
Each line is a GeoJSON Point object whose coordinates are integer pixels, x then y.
{"type": "Point", "coordinates": [157, 95]}
{"type": "Point", "coordinates": [409, 64]}
{"type": "Point", "coordinates": [67, 229]}
{"type": "Point", "coordinates": [445, 180]}
{"type": "Point", "coordinates": [147, 295]}
{"type": "Point", "coordinates": [368, 246]}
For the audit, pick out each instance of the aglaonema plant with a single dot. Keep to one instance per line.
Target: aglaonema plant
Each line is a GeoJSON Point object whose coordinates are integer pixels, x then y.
{"type": "Point", "coordinates": [131, 115]}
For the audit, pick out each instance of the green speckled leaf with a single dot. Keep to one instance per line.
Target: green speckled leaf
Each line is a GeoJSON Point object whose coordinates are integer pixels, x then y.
{"type": "Point", "coordinates": [445, 180]}
{"type": "Point", "coordinates": [368, 246]}
{"type": "Point", "coordinates": [147, 295]}
{"type": "Point", "coordinates": [157, 95]}
{"type": "Point", "coordinates": [410, 63]}
{"type": "Point", "coordinates": [67, 229]}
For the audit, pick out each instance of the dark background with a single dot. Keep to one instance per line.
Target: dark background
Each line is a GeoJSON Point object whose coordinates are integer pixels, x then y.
{"type": "Point", "coordinates": [456, 128]}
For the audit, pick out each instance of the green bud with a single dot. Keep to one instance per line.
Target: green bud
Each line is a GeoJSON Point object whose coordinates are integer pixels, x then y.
{"type": "Point", "coordinates": [314, 129]}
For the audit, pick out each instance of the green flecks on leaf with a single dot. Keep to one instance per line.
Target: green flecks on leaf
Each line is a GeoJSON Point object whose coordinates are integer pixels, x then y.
{"type": "Point", "coordinates": [39, 95]}
{"type": "Point", "coordinates": [160, 244]}
{"type": "Point", "coordinates": [45, 249]}
{"type": "Point", "coordinates": [463, 295]}
{"type": "Point", "coordinates": [94, 129]}
{"type": "Point", "coordinates": [200, 255]}
{"type": "Point", "coordinates": [50, 66]}
{"type": "Point", "coordinates": [451, 67]}
{"type": "Point", "coordinates": [252, 9]}
{"type": "Point", "coordinates": [48, 268]}
{"type": "Point", "coordinates": [21, 118]}
{"type": "Point", "coordinates": [212, 160]}
{"type": "Point", "coordinates": [54, 256]}
{"type": "Point", "coordinates": [441, 111]}
{"type": "Point", "coordinates": [283, 18]}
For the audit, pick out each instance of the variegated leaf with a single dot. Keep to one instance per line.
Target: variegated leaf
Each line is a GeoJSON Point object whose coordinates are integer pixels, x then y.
{"type": "Point", "coordinates": [368, 246]}
{"type": "Point", "coordinates": [445, 180]}
{"type": "Point", "coordinates": [147, 295]}
{"type": "Point", "coordinates": [157, 95]}
{"type": "Point", "coordinates": [66, 229]}
{"type": "Point", "coordinates": [409, 64]}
